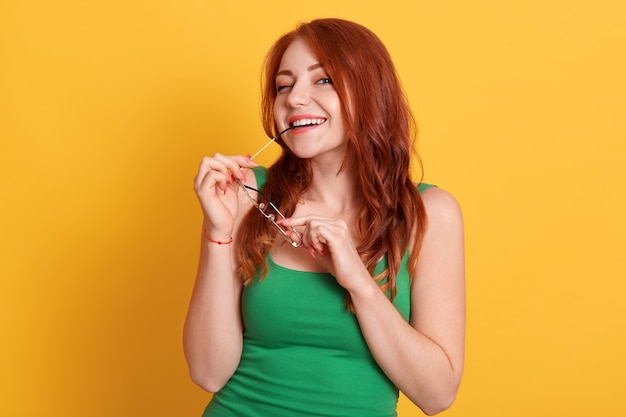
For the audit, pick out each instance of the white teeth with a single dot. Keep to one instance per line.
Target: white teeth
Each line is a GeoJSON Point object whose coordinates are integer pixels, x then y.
{"type": "Point", "coordinates": [305, 122]}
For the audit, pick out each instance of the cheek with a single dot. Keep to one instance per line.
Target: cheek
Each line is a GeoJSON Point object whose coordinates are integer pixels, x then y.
{"type": "Point", "coordinates": [332, 105]}
{"type": "Point", "coordinates": [335, 109]}
{"type": "Point", "coordinates": [279, 106]}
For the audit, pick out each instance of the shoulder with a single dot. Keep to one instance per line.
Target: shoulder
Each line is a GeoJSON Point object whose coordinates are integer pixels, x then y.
{"type": "Point", "coordinates": [444, 229]}
{"type": "Point", "coordinates": [444, 223]}
{"type": "Point", "coordinates": [441, 208]}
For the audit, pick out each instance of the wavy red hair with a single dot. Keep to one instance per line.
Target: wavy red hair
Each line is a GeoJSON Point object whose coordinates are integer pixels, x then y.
{"type": "Point", "coordinates": [381, 133]}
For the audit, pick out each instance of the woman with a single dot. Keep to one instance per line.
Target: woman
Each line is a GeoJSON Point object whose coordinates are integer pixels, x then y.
{"type": "Point", "coordinates": [361, 290]}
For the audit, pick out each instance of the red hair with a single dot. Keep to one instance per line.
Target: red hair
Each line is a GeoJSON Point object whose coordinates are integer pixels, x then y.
{"type": "Point", "coordinates": [381, 132]}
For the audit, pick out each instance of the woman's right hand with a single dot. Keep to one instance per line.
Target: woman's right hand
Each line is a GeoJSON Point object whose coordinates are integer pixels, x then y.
{"type": "Point", "coordinates": [217, 189]}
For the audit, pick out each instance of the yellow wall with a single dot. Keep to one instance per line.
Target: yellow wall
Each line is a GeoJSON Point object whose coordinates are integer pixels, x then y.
{"type": "Point", "coordinates": [107, 107]}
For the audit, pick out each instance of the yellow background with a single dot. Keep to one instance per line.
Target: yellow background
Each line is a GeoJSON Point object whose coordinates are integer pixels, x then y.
{"type": "Point", "coordinates": [106, 108]}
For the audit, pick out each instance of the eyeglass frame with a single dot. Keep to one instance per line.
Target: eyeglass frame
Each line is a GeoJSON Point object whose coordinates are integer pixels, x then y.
{"type": "Point", "coordinates": [287, 234]}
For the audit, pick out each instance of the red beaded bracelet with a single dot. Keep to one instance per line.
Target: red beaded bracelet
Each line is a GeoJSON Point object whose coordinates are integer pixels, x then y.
{"type": "Point", "coordinates": [216, 241]}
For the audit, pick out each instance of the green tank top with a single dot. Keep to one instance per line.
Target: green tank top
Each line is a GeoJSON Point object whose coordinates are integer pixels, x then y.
{"type": "Point", "coordinates": [303, 352]}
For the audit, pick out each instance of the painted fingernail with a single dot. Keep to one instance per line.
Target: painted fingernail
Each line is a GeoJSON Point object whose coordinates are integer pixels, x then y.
{"type": "Point", "coordinates": [311, 253]}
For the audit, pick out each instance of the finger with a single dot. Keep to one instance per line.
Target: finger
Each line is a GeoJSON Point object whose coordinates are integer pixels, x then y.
{"type": "Point", "coordinates": [302, 220]}
{"type": "Point", "coordinates": [213, 180]}
{"type": "Point", "coordinates": [316, 236]}
{"type": "Point", "coordinates": [220, 178]}
{"type": "Point", "coordinates": [221, 163]}
{"type": "Point", "coordinates": [226, 165]}
{"type": "Point", "coordinates": [236, 164]}
{"type": "Point", "coordinates": [209, 169]}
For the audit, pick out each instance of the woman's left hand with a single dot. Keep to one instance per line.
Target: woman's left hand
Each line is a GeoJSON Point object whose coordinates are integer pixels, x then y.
{"type": "Point", "coordinates": [329, 241]}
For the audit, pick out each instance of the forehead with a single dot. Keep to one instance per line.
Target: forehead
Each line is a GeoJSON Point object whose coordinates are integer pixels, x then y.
{"type": "Point", "coordinates": [298, 55]}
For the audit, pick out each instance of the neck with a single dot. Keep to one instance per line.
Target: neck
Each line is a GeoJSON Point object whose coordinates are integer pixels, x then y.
{"type": "Point", "coordinates": [337, 192]}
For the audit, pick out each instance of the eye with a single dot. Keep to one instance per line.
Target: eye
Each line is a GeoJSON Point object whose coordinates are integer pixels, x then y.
{"type": "Point", "coordinates": [325, 80]}
{"type": "Point", "coordinates": [283, 87]}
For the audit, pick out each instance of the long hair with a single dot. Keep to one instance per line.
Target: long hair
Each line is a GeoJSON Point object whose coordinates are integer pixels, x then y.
{"type": "Point", "coordinates": [381, 133]}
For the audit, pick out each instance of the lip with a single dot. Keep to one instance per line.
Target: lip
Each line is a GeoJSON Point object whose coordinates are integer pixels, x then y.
{"type": "Point", "coordinates": [304, 116]}
{"type": "Point", "coordinates": [293, 119]}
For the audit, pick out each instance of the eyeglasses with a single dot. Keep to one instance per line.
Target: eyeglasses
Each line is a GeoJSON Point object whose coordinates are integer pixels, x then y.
{"type": "Point", "coordinates": [271, 213]}
{"type": "Point", "coordinates": [269, 209]}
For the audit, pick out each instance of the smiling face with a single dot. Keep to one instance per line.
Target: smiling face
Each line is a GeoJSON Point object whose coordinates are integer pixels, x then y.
{"type": "Point", "coordinates": [307, 100]}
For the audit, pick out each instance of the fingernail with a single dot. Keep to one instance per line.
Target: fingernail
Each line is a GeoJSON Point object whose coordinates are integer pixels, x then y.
{"type": "Point", "coordinates": [225, 189]}
{"type": "Point", "coordinates": [311, 253]}
{"type": "Point", "coordinates": [251, 162]}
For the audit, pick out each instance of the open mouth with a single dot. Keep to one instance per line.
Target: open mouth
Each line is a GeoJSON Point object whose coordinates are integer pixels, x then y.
{"type": "Point", "coordinates": [298, 124]}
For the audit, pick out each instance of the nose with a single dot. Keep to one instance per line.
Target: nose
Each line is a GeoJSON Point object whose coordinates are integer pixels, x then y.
{"type": "Point", "coordinates": [298, 95]}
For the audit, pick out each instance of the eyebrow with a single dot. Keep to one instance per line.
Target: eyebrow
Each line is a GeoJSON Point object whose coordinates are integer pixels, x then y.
{"type": "Point", "coordinates": [310, 68]}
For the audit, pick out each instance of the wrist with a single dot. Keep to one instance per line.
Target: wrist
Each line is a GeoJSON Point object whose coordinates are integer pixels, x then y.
{"type": "Point", "coordinates": [219, 239]}
{"type": "Point", "coordinates": [365, 290]}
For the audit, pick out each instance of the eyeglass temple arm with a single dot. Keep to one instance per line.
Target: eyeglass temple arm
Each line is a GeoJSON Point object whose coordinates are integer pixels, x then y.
{"type": "Point", "coordinates": [268, 143]}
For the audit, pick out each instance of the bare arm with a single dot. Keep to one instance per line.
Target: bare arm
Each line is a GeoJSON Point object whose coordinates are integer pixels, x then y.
{"type": "Point", "coordinates": [424, 359]}
{"type": "Point", "coordinates": [213, 332]}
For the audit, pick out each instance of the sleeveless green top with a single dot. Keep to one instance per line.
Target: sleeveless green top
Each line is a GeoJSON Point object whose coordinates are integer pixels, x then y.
{"type": "Point", "coordinates": [303, 352]}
